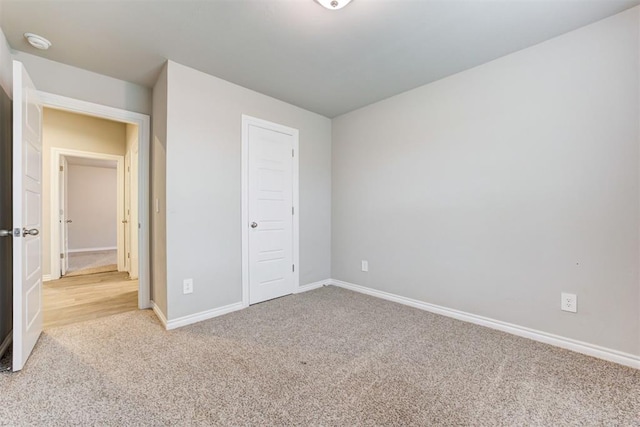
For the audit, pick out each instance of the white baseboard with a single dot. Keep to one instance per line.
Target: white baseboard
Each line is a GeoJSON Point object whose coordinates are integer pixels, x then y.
{"type": "Point", "coordinates": [46, 277]}
{"type": "Point", "coordinates": [109, 248]}
{"type": "Point", "coordinates": [159, 314]}
{"type": "Point", "coordinates": [312, 286]}
{"type": "Point", "coordinates": [555, 340]}
{"type": "Point", "coordinates": [203, 315]}
{"type": "Point", "coordinates": [6, 343]}
{"type": "Point", "coordinates": [209, 314]}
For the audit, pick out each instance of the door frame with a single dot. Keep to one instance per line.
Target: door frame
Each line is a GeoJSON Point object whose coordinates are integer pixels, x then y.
{"type": "Point", "coordinates": [57, 154]}
{"type": "Point", "coordinates": [143, 121]}
{"type": "Point", "coordinates": [126, 198]}
{"type": "Point", "coordinates": [246, 121]}
{"type": "Point", "coordinates": [63, 205]}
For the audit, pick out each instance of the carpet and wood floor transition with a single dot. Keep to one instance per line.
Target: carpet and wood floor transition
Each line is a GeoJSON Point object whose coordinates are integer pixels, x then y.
{"type": "Point", "coordinates": [73, 299]}
{"type": "Point", "coordinates": [324, 357]}
{"type": "Point", "coordinates": [92, 262]}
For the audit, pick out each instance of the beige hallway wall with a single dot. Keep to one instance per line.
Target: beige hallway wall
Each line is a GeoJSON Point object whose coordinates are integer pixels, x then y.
{"type": "Point", "coordinates": [92, 197]}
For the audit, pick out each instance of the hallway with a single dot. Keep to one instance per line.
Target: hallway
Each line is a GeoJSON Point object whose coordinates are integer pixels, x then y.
{"type": "Point", "coordinates": [79, 298]}
{"type": "Point", "coordinates": [83, 263]}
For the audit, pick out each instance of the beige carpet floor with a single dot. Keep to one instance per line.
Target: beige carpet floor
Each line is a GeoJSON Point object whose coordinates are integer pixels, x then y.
{"type": "Point", "coordinates": [81, 263]}
{"type": "Point", "coordinates": [325, 357]}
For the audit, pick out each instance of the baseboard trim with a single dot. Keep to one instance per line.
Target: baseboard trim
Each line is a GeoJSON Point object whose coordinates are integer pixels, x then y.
{"type": "Point", "coordinates": [544, 337]}
{"type": "Point", "coordinates": [203, 315]}
{"type": "Point", "coordinates": [46, 277]}
{"type": "Point", "coordinates": [6, 343]}
{"type": "Point", "coordinates": [110, 248]}
{"type": "Point", "coordinates": [209, 314]}
{"type": "Point", "coordinates": [159, 314]}
{"type": "Point", "coordinates": [312, 286]}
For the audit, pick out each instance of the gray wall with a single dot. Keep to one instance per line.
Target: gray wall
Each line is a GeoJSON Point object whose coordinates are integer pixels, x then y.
{"type": "Point", "coordinates": [6, 221]}
{"type": "Point", "coordinates": [203, 180]}
{"type": "Point", "coordinates": [6, 66]}
{"type": "Point", "coordinates": [6, 217]}
{"type": "Point", "coordinates": [62, 79]}
{"type": "Point", "coordinates": [158, 193]}
{"type": "Point", "coordinates": [495, 189]}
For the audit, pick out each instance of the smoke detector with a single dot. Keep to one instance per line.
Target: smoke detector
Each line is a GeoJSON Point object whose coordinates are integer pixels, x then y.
{"type": "Point", "coordinates": [333, 4]}
{"type": "Point", "coordinates": [37, 41]}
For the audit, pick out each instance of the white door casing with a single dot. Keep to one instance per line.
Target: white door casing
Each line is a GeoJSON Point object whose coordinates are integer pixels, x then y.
{"type": "Point", "coordinates": [133, 215]}
{"type": "Point", "coordinates": [64, 218]}
{"type": "Point", "coordinates": [126, 222]}
{"type": "Point", "coordinates": [270, 250]}
{"type": "Point", "coordinates": [27, 216]}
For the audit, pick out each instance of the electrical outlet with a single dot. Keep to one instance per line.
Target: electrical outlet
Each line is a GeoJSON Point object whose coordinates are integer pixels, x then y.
{"type": "Point", "coordinates": [569, 302]}
{"type": "Point", "coordinates": [187, 286]}
{"type": "Point", "coordinates": [365, 265]}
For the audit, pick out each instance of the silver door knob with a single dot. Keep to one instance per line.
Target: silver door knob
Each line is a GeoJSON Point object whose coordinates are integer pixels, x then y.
{"type": "Point", "coordinates": [30, 232]}
{"type": "Point", "coordinates": [6, 233]}
{"type": "Point", "coordinates": [254, 224]}
{"type": "Point", "coordinates": [68, 221]}
{"type": "Point", "coordinates": [124, 221]}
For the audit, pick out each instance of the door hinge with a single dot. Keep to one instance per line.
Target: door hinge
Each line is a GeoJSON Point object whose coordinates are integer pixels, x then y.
{"type": "Point", "coordinates": [292, 153]}
{"type": "Point", "coordinates": [128, 255]}
{"type": "Point", "coordinates": [61, 168]}
{"type": "Point", "coordinates": [61, 256]}
{"type": "Point", "coordinates": [293, 268]}
{"type": "Point", "coordinates": [292, 211]}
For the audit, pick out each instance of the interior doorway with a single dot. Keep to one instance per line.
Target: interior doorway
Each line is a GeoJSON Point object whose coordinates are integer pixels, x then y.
{"type": "Point", "coordinates": [88, 214]}
{"type": "Point", "coordinates": [91, 224]}
{"type": "Point", "coordinates": [139, 134]}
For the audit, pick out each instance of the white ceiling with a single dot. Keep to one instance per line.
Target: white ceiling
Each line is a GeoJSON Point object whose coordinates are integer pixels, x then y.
{"type": "Point", "coordinates": [330, 62]}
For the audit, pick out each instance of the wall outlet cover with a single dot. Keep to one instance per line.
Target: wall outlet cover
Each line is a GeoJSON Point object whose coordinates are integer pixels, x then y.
{"type": "Point", "coordinates": [365, 265]}
{"type": "Point", "coordinates": [569, 302]}
{"type": "Point", "coordinates": [187, 286]}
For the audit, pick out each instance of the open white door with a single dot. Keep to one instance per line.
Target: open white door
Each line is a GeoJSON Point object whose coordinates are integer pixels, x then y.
{"type": "Point", "coordinates": [64, 219]}
{"type": "Point", "coordinates": [27, 216]}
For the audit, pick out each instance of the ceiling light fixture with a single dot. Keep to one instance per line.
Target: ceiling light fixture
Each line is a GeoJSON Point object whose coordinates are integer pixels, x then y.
{"type": "Point", "coordinates": [37, 41]}
{"type": "Point", "coordinates": [333, 4]}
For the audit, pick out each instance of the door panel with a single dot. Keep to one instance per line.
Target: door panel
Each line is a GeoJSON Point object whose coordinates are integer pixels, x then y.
{"type": "Point", "coordinates": [27, 216]}
{"type": "Point", "coordinates": [270, 209]}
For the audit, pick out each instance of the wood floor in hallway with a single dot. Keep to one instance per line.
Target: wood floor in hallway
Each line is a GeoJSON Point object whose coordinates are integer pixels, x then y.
{"type": "Point", "coordinates": [79, 298]}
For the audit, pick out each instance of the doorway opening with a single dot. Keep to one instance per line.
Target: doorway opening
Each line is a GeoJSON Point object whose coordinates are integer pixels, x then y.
{"type": "Point", "coordinates": [90, 217]}
{"type": "Point", "coordinates": [90, 198]}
